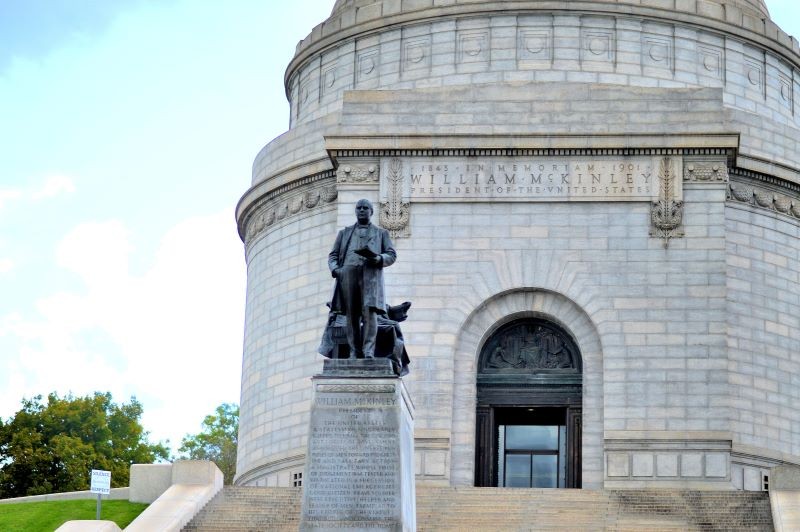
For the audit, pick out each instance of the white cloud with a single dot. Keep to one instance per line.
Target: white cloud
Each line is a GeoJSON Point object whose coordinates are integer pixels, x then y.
{"type": "Point", "coordinates": [192, 305]}
{"type": "Point", "coordinates": [50, 358]}
{"type": "Point", "coordinates": [98, 252]}
{"type": "Point", "coordinates": [53, 186]}
{"type": "Point", "coordinates": [171, 336]}
{"type": "Point", "coordinates": [9, 194]}
{"type": "Point", "coordinates": [6, 265]}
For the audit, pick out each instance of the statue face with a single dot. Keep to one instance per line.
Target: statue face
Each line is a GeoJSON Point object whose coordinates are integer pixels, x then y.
{"type": "Point", "coordinates": [363, 211]}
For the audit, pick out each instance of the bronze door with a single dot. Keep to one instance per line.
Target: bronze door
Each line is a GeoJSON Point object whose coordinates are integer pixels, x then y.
{"type": "Point", "coordinates": [528, 446]}
{"type": "Point", "coordinates": [528, 424]}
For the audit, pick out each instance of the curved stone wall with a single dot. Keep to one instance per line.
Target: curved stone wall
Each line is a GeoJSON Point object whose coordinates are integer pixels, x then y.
{"type": "Point", "coordinates": [763, 287]}
{"type": "Point", "coordinates": [288, 283]}
{"type": "Point", "coordinates": [691, 350]}
{"type": "Point", "coordinates": [744, 18]}
{"type": "Point", "coordinates": [538, 44]}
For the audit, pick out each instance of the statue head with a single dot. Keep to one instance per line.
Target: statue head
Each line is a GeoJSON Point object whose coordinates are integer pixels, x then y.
{"type": "Point", "coordinates": [363, 211]}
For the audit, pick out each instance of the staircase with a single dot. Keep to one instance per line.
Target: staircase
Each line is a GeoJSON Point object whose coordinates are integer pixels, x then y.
{"type": "Point", "coordinates": [237, 509]}
{"type": "Point", "coordinates": [472, 509]}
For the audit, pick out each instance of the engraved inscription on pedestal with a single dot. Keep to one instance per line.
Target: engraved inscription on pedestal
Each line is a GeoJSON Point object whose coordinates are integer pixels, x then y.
{"type": "Point", "coordinates": [354, 446]}
{"type": "Point", "coordinates": [357, 456]}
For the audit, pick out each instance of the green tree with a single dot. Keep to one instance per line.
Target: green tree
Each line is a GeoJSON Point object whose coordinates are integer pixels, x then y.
{"type": "Point", "coordinates": [50, 447]}
{"type": "Point", "coordinates": [218, 440]}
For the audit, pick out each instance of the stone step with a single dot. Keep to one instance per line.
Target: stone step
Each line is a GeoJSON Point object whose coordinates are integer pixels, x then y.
{"type": "Point", "coordinates": [503, 509]}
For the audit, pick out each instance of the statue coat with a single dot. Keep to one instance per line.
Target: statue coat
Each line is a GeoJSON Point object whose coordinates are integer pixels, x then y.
{"type": "Point", "coordinates": [379, 243]}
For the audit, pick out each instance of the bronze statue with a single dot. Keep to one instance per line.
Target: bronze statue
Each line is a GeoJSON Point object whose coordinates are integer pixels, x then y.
{"type": "Point", "coordinates": [357, 259]}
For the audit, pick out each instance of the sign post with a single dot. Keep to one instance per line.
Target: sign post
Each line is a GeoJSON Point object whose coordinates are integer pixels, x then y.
{"type": "Point", "coordinates": [101, 485]}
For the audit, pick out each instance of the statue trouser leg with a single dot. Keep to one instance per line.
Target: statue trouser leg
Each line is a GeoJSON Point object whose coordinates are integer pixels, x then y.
{"type": "Point", "coordinates": [354, 338]}
{"type": "Point", "coordinates": [370, 331]}
{"type": "Point", "coordinates": [351, 297]}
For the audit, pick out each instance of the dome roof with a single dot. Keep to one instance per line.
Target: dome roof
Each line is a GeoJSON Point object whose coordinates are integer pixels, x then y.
{"type": "Point", "coordinates": [754, 6]}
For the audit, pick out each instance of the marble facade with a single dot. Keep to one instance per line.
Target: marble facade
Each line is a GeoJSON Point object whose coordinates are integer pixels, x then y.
{"type": "Point", "coordinates": [627, 170]}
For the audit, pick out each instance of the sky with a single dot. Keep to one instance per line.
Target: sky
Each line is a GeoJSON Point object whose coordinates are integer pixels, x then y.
{"type": "Point", "coordinates": [127, 133]}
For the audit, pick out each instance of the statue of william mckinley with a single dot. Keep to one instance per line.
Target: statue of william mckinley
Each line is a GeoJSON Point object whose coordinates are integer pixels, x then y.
{"type": "Point", "coordinates": [357, 260]}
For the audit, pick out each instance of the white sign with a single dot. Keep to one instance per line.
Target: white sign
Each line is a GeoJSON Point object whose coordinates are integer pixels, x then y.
{"type": "Point", "coordinates": [101, 482]}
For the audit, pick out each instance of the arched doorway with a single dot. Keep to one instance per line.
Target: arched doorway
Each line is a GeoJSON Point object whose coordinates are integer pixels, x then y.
{"type": "Point", "coordinates": [529, 398]}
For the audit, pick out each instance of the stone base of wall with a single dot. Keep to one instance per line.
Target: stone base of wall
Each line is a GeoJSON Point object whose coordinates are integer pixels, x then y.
{"type": "Point", "coordinates": [642, 459]}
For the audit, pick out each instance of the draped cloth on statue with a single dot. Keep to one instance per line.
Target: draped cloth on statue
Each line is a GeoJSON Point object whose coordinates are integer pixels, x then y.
{"type": "Point", "coordinates": [389, 343]}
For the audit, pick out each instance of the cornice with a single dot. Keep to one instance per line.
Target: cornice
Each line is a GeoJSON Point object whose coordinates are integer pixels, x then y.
{"type": "Point", "coordinates": [341, 145]}
{"type": "Point", "coordinates": [764, 192]}
{"type": "Point", "coordinates": [286, 201]}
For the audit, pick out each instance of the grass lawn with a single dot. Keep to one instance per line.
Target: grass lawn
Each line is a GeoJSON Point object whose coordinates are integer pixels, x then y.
{"type": "Point", "coordinates": [47, 516]}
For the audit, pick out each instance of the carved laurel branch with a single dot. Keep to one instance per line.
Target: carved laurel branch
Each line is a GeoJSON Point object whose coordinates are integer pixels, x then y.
{"type": "Point", "coordinates": [763, 199]}
{"type": "Point", "coordinates": [282, 208]}
{"type": "Point", "coordinates": [357, 388]}
{"type": "Point", "coordinates": [666, 214]}
{"type": "Point", "coordinates": [705, 171]}
{"type": "Point", "coordinates": [395, 213]}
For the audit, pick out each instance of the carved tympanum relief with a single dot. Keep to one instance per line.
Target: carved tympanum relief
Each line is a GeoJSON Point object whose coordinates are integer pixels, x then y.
{"type": "Point", "coordinates": [529, 346]}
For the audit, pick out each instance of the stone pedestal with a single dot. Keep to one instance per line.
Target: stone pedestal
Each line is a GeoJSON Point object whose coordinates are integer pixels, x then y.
{"type": "Point", "coordinates": [360, 458]}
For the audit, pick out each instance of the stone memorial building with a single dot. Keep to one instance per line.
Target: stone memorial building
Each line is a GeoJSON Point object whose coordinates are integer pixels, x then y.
{"type": "Point", "coordinates": [596, 211]}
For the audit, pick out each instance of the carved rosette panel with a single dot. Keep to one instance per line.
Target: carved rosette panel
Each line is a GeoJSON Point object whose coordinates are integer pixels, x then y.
{"type": "Point", "coordinates": [288, 205]}
{"type": "Point", "coordinates": [530, 346]}
{"type": "Point", "coordinates": [357, 173]}
{"type": "Point", "coordinates": [705, 172]}
{"type": "Point", "coordinates": [666, 214]}
{"type": "Point", "coordinates": [763, 199]}
{"type": "Point", "coordinates": [395, 213]}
